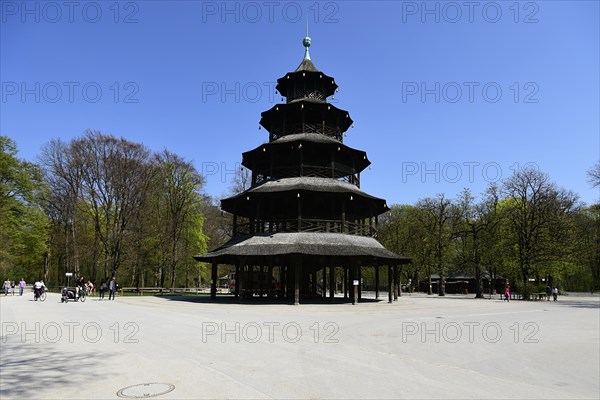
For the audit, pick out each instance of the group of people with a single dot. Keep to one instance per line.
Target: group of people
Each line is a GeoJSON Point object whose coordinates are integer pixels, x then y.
{"type": "Point", "coordinates": [9, 286]}
{"type": "Point", "coordinates": [111, 286]}
{"type": "Point", "coordinates": [108, 285]}
{"type": "Point", "coordinates": [549, 291]}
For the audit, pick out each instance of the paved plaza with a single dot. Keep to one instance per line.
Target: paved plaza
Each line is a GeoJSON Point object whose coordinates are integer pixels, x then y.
{"type": "Point", "coordinates": [418, 347]}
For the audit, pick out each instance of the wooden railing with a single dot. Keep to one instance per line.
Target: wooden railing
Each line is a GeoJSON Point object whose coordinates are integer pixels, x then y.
{"type": "Point", "coordinates": [306, 225]}
{"type": "Point", "coordinates": [310, 171]}
{"type": "Point", "coordinates": [294, 128]}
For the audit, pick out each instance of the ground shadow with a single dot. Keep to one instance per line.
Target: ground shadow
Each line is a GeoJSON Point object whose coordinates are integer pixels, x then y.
{"type": "Point", "coordinates": [591, 304]}
{"type": "Point", "coordinates": [225, 299]}
{"type": "Point", "coordinates": [32, 370]}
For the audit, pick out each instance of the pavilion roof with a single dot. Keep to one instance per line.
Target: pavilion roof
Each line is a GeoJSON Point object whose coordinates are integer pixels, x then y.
{"type": "Point", "coordinates": [365, 249]}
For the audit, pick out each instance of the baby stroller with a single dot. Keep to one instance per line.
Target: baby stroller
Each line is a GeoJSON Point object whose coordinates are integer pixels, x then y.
{"type": "Point", "coordinates": [71, 294]}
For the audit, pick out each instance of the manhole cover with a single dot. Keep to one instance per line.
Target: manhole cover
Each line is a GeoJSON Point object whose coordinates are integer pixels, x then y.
{"type": "Point", "coordinates": [145, 390]}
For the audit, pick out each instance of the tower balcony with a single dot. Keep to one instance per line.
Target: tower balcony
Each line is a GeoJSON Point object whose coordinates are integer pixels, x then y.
{"type": "Point", "coordinates": [307, 127]}
{"type": "Point", "coordinates": [312, 171]}
{"type": "Point", "coordinates": [305, 225]}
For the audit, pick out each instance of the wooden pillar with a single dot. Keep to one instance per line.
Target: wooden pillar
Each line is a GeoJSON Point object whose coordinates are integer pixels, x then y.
{"type": "Point", "coordinates": [399, 282]}
{"type": "Point", "coordinates": [395, 269]}
{"type": "Point", "coordinates": [239, 283]}
{"type": "Point", "coordinates": [343, 216]}
{"type": "Point", "coordinates": [297, 267]}
{"type": "Point", "coordinates": [299, 213]}
{"type": "Point", "coordinates": [390, 294]}
{"type": "Point", "coordinates": [345, 281]}
{"type": "Point", "coordinates": [376, 281]}
{"type": "Point", "coordinates": [324, 273]}
{"type": "Point", "coordinates": [213, 283]}
{"type": "Point", "coordinates": [313, 284]}
{"type": "Point", "coordinates": [354, 287]}
{"type": "Point", "coordinates": [237, 280]}
{"type": "Point", "coordinates": [284, 280]}
{"type": "Point", "coordinates": [359, 277]}
{"type": "Point", "coordinates": [270, 287]}
{"type": "Point", "coordinates": [251, 280]}
{"type": "Point", "coordinates": [331, 282]}
{"type": "Point", "coordinates": [261, 280]}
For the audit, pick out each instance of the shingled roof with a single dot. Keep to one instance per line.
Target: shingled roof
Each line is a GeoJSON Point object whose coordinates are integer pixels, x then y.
{"type": "Point", "coordinates": [365, 249]}
{"type": "Point", "coordinates": [307, 65]}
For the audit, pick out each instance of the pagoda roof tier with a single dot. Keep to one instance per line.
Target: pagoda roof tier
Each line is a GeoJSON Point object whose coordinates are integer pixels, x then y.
{"type": "Point", "coordinates": [335, 246]}
{"type": "Point", "coordinates": [307, 82]}
{"type": "Point", "coordinates": [305, 116]}
{"type": "Point", "coordinates": [281, 197]}
{"type": "Point", "coordinates": [285, 150]}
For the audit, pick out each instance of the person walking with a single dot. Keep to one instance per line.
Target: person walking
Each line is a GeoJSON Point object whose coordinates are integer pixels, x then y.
{"type": "Point", "coordinates": [21, 286]}
{"type": "Point", "coordinates": [112, 287]}
{"type": "Point", "coordinates": [12, 287]}
{"type": "Point", "coordinates": [6, 287]}
{"type": "Point", "coordinates": [507, 293]}
{"type": "Point", "coordinates": [548, 292]}
{"type": "Point", "coordinates": [103, 289]}
{"type": "Point", "coordinates": [555, 293]}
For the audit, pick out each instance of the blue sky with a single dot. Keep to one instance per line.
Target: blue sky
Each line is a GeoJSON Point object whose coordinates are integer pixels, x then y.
{"type": "Point", "coordinates": [444, 95]}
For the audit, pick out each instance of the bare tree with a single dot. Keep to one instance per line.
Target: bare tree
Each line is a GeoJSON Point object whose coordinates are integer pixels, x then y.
{"type": "Point", "coordinates": [436, 218]}
{"type": "Point", "coordinates": [115, 177]}
{"type": "Point", "coordinates": [241, 181]}
{"type": "Point", "coordinates": [534, 211]}
{"type": "Point", "coordinates": [594, 175]}
{"type": "Point", "coordinates": [63, 175]}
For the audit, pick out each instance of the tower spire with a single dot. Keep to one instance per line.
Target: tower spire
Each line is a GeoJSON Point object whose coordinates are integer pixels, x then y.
{"type": "Point", "coordinates": [306, 42]}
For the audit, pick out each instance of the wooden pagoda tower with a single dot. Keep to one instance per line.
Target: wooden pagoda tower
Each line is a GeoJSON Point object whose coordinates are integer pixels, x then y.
{"type": "Point", "coordinates": [304, 212]}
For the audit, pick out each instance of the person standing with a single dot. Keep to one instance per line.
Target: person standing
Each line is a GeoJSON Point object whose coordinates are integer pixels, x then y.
{"type": "Point", "coordinates": [548, 292]}
{"type": "Point", "coordinates": [21, 286]}
{"type": "Point", "coordinates": [103, 289]}
{"type": "Point", "coordinates": [112, 287]}
{"type": "Point", "coordinates": [507, 293]}
{"type": "Point", "coordinates": [555, 293]}
{"type": "Point", "coordinates": [6, 287]}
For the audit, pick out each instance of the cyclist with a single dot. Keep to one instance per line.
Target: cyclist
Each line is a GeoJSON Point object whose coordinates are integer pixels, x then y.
{"type": "Point", "coordinates": [79, 285]}
{"type": "Point", "coordinates": [38, 288]}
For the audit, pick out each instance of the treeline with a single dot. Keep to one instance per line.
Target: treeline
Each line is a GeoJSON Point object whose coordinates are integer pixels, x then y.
{"type": "Point", "coordinates": [526, 230]}
{"type": "Point", "coordinates": [101, 206]}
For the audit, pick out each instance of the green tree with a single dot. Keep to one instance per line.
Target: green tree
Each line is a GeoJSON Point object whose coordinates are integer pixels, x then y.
{"type": "Point", "coordinates": [178, 201]}
{"type": "Point", "coordinates": [23, 225]}
{"type": "Point", "coordinates": [476, 227]}
{"type": "Point", "coordinates": [587, 242]}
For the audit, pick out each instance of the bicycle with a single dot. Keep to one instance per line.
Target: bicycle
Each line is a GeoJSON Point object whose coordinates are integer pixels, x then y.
{"type": "Point", "coordinates": [41, 296]}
